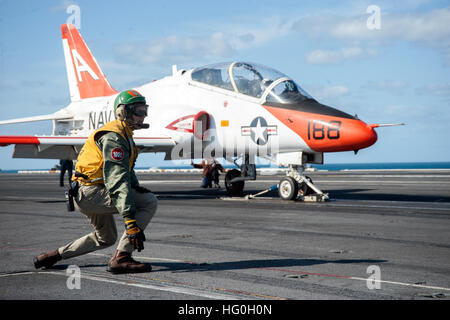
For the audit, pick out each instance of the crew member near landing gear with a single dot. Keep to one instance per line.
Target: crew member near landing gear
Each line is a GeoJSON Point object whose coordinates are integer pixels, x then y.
{"type": "Point", "coordinates": [107, 184]}
{"type": "Point", "coordinates": [210, 173]}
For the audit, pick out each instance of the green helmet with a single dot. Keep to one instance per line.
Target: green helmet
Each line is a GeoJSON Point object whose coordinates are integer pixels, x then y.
{"type": "Point", "coordinates": [124, 105]}
{"type": "Point", "coordinates": [128, 97]}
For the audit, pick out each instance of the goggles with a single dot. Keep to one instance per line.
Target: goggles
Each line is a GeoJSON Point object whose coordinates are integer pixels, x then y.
{"type": "Point", "coordinates": [141, 112]}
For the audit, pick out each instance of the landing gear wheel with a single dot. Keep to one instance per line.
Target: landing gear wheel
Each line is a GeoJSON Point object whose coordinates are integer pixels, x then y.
{"type": "Point", "coordinates": [303, 189]}
{"type": "Point", "coordinates": [235, 188]}
{"type": "Point", "coordinates": [288, 188]}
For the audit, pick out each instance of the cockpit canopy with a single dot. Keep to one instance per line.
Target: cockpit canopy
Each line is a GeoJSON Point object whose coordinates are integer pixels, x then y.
{"type": "Point", "coordinates": [253, 80]}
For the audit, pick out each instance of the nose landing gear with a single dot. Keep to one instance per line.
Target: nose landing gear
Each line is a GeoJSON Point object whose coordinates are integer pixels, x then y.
{"type": "Point", "coordinates": [297, 185]}
{"type": "Point", "coordinates": [288, 188]}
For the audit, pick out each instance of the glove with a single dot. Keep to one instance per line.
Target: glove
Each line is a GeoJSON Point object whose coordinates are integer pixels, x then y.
{"type": "Point", "coordinates": [142, 189]}
{"type": "Point", "coordinates": [135, 235]}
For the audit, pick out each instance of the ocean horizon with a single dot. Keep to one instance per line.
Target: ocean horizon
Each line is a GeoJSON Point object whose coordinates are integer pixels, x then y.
{"type": "Point", "coordinates": [328, 166]}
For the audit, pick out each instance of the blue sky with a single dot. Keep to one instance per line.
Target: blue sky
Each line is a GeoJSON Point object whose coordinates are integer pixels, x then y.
{"type": "Point", "coordinates": [397, 73]}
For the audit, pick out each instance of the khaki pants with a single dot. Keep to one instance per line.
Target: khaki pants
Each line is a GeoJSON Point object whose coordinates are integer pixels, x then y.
{"type": "Point", "coordinates": [94, 202]}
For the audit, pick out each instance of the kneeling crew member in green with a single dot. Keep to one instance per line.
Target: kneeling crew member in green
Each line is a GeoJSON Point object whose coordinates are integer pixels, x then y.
{"type": "Point", "coordinates": [108, 185]}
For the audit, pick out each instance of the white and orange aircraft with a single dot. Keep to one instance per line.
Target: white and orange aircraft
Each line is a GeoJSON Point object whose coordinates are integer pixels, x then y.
{"type": "Point", "coordinates": [232, 110]}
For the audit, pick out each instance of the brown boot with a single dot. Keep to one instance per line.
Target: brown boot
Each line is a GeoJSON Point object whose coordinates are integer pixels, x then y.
{"type": "Point", "coordinates": [47, 259]}
{"type": "Point", "coordinates": [122, 262]}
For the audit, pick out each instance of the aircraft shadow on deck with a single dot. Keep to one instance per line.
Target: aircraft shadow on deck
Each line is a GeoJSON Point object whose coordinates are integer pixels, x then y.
{"type": "Point", "coordinates": [366, 194]}
{"type": "Point", "coordinates": [344, 194]}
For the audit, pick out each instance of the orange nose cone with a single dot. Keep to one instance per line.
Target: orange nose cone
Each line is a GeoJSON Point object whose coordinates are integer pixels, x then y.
{"type": "Point", "coordinates": [354, 135]}
{"type": "Point", "coordinates": [366, 136]}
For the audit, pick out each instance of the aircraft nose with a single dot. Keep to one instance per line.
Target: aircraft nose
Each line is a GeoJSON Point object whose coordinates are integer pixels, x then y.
{"type": "Point", "coordinates": [353, 135]}
{"type": "Point", "coordinates": [366, 136]}
{"type": "Point", "coordinates": [328, 131]}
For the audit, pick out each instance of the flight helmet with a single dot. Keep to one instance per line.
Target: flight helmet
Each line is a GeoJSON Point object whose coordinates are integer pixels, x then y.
{"type": "Point", "coordinates": [125, 106]}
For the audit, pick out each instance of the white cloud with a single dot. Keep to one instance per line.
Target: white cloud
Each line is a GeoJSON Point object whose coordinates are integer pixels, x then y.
{"type": "Point", "coordinates": [336, 56]}
{"type": "Point", "coordinates": [334, 91]}
{"type": "Point", "coordinates": [175, 49]}
{"type": "Point", "coordinates": [442, 90]}
{"type": "Point", "coordinates": [430, 29]}
{"type": "Point", "coordinates": [62, 5]}
{"type": "Point", "coordinates": [398, 110]}
{"type": "Point", "coordinates": [253, 33]}
{"type": "Point", "coordinates": [408, 113]}
{"type": "Point", "coordinates": [328, 93]}
{"type": "Point", "coordinates": [223, 41]}
{"type": "Point", "coordinates": [393, 86]}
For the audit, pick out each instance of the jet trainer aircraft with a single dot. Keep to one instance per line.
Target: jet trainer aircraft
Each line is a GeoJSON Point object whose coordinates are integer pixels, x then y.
{"type": "Point", "coordinates": [234, 110]}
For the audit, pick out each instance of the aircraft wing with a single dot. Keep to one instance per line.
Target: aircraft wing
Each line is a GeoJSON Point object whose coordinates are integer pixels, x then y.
{"type": "Point", "coordinates": [68, 147]}
{"type": "Point", "coordinates": [44, 147]}
{"type": "Point", "coordinates": [52, 116]}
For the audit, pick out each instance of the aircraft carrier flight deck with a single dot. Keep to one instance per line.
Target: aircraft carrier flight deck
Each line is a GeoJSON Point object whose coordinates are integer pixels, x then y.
{"type": "Point", "coordinates": [383, 235]}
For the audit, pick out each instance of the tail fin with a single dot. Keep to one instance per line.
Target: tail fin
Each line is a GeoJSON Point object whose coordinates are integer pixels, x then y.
{"type": "Point", "coordinates": [86, 79]}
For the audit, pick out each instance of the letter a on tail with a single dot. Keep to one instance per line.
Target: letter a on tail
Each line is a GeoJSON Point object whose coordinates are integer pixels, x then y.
{"type": "Point", "coordinates": [86, 79]}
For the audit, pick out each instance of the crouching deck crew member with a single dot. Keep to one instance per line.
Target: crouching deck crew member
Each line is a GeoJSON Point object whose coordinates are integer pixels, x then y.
{"type": "Point", "coordinates": [107, 185]}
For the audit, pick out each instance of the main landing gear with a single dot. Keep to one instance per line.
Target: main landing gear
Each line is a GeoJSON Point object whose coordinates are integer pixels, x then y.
{"type": "Point", "coordinates": [235, 179]}
{"type": "Point", "coordinates": [232, 184]}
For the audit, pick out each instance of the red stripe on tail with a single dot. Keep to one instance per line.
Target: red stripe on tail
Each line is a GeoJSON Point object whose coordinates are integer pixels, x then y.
{"type": "Point", "coordinates": [86, 79]}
